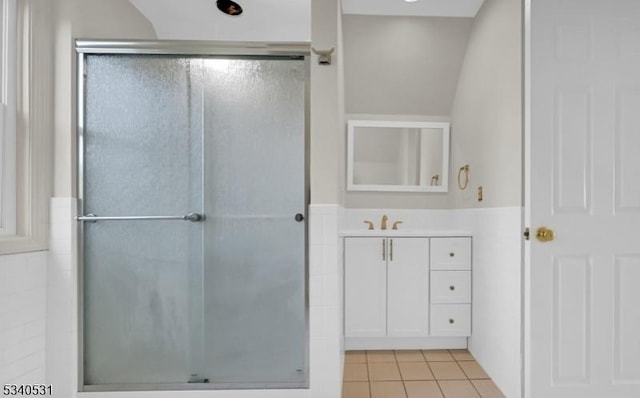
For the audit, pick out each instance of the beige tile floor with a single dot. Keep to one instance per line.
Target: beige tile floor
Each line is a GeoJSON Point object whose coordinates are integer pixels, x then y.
{"type": "Point", "coordinates": [415, 374]}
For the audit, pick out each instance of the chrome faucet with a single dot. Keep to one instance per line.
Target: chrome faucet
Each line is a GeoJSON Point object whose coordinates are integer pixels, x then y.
{"type": "Point", "coordinates": [383, 224]}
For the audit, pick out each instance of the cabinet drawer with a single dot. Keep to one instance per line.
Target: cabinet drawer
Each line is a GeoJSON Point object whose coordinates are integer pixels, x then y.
{"type": "Point", "coordinates": [451, 320]}
{"type": "Point", "coordinates": [450, 287]}
{"type": "Point", "coordinates": [451, 254]}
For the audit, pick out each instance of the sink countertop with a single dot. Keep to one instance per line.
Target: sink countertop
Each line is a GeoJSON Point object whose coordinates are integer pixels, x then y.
{"type": "Point", "coordinates": [400, 232]}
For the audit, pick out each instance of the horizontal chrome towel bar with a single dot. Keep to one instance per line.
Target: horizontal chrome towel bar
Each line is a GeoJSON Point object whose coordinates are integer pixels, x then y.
{"type": "Point", "coordinates": [193, 217]}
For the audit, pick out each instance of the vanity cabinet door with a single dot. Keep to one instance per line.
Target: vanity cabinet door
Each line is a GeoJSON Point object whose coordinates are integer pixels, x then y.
{"type": "Point", "coordinates": [408, 287]}
{"type": "Point", "coordinates": [365, 287]}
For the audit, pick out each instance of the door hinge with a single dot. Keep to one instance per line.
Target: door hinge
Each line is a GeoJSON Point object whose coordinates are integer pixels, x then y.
{"type": "Point", "coordinates": [527, 234]}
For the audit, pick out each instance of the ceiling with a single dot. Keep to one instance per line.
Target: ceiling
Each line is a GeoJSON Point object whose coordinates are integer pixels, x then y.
{"type": "Point", "coordinates": [262, 20]}
{"type": "Point", "coordinates": [431, 8]}
{"type": "Point", "coordinates": [275, 20]}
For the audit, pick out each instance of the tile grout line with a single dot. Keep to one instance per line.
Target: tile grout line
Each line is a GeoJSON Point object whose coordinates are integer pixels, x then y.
{"type": "Point", "coordinates": [475, 388]}
{"type": "Point", "coordinates": [406, 393]}
{"type": "Point", "coordinates": [465, 373]}
{"type": "Point", "coordinates": [439, 380]}
{"type": "Point", "coordinates": [435, 378]}
{"type": "Point", "coordinates": [366, 360]}
{"type": "Point", "coordinates": [440, 388]}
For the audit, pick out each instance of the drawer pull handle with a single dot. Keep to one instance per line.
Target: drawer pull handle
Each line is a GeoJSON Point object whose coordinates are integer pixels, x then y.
{"type": "Point", "coordinates": [451, 321]}
{"type": "Point", "coordinates": [452, 254]}
{"type": "Point", "coordinates": [452, 288]}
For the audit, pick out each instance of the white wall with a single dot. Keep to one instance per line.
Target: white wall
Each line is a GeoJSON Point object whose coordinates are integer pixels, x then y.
{"type": "Point", "coordinates": [326, 119]}
{"type": "Point", "coordinates": [486, 119]}
{"type": "Point", "coordinates": [22, 318]}
{"type": "Point", "coordinates": [113, 19]}
{"type": "Point", "coordinates": [403, 65]}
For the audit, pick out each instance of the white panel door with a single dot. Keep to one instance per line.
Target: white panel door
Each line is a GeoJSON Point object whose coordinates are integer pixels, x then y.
{"type": "Point", "coordinates": [365, 281]}
{"type": "Point", "coordinates": [583, 181]}
{"type": "Point", "coordinates": [408, 287]}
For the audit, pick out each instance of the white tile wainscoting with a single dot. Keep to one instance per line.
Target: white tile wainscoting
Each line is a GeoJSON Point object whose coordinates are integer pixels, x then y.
{"type": "Point", "coordinates": [22, 318]}
{"type": "Point", "coordinates": [62, 299]}
{"type": "Point", "coordinates": [496, 314]}
{"type": "Point", "coordinates": [326, 302]}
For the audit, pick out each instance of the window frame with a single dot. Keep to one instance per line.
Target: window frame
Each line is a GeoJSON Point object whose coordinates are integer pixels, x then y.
{"type": "Point", "coordinates": [8, 112]}
{"type": "Point", "coordinates": [34, 125]}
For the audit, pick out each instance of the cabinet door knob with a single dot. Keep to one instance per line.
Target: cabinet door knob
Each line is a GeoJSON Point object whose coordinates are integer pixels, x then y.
{"type": "Point", "coordinates": [452, 288]}
{"type": "Point", "coordinates": [451, 321]}
{"type": "Point", "coordinates": [452, 254]}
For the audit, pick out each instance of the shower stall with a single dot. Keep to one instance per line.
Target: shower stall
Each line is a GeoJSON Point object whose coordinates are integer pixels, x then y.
{"type": "Point", "coordinates": [193, 187]}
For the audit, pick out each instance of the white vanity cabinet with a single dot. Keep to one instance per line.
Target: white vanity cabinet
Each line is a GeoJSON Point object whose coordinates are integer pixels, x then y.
{"type": "Point", "coordinates": [386, 287]}
{"type": "Point", "coordinates": [407, 291]}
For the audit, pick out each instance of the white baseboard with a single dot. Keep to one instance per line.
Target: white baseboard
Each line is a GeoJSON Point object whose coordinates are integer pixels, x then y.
{"type": "Point", "coordinates": [404, 343]}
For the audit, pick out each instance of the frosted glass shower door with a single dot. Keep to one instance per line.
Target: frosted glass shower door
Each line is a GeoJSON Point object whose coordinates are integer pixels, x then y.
{"type": "Point", "coordinates": [254, 256]}
{"type": "Point", "coordinates": [142, 284]}
{"type": "Point", "coordinates": [216, 300]}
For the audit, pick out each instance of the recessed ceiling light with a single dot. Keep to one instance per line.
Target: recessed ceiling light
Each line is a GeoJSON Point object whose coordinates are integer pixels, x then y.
{"type": "Point", "coordinates": [229, 7]}
{"type": "Point", "coordinates": [410, 1]}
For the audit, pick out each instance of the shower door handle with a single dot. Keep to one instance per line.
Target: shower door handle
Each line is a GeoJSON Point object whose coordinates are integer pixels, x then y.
{"type": "Point", "coordinates": [193, 217]}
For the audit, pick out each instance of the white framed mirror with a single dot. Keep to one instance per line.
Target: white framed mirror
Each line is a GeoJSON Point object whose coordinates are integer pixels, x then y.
{"type": "Point", "coordinates": [397, 156]}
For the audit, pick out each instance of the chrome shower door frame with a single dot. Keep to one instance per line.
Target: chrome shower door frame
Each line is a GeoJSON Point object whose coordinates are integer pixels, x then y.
{"type": "Point", "coordinates": [235, 50]}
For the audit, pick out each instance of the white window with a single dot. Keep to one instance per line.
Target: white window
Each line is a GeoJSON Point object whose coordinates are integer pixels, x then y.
{"type": "Point", "coordinates": [8, 91]}
{"type": "Point", "coordinates": [26, 120]}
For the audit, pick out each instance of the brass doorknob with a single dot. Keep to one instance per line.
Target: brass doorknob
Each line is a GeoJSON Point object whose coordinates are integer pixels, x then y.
{"type": "Point", "coordinates": [544, 234]}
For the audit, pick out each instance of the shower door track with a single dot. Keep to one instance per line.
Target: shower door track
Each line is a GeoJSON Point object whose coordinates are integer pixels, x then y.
{"type": "Point", "coordinates": [188, 47]}
{"type": "Point", "coordinates": [205, 49]}
{"type": "Point", "coordinates": [189, 387]}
